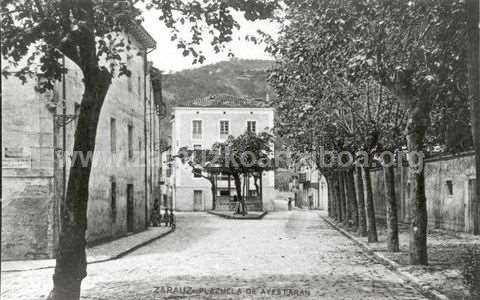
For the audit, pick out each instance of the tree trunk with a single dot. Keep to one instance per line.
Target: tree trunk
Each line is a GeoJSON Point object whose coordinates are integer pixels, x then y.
{"type": "Point", "coordinates": [371, 222]}
{"type": "Point", "coordinates": [346, 200]}
{"type": "Point", "coordinates": [362, 222]}
{"type": "Point", "coordinates": [340, 211]}
{"type": "Point", "coordinates": [71, 265]}
{"type": "Point", "coordinates": [418, 120]}
{"type": "Point", "coordinates": [330, 196]}
{"type": "Point", "coordinates": [255, 181]}
{"type": "Point", "coordinates": [335, 206]}
{"type": "Point", "coordinates": [213, 188]}
{"type": "Point", "coordinates": [352, 198]}
{"type": "Point", "coordinates": [473, 50]}
{"type": "Point", "coordinates": [392, 221]}
{"type": "Point", "coordinates": [238, 187]}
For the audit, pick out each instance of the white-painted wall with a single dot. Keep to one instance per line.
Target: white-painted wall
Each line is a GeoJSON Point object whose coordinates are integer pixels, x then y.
{"type": "Point", "coordinates": [184, 182]}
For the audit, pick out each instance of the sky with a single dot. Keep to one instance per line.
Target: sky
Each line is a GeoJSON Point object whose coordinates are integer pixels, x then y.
{"type": "Point", "coordinates": [170, 59]}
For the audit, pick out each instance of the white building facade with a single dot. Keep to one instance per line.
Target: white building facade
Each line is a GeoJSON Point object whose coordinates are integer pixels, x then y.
{"type": "Point", "coordinates": [199, 125]}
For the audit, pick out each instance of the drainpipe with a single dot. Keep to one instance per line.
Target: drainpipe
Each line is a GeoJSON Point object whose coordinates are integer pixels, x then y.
{"type": "Point", "coordinates": [145, 67]}
{"type": "Point", "coordinates": [64, 141]}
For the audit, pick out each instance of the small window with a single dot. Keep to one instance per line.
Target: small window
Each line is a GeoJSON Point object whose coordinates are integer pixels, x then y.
{"type": "Point", "coordinates": [224, 193]}
{"type": "Point", "coordinates": [197, 129]}
{"type": "Point", "coordinates": [130, 141]}
{"type": "Point", "coordinates": [197, 173]}
{"type": "Point", "coordinates": [197, 152]}
{"type": "Point", "coordinates": [252, 126]}
{"type": "Point", "coordinates": [76, 113]}
{"type": "Point", "coordinates": [113, 135]}
{"type": "Point", "coordinates": [224, 128]}
{"type": "Point", "coordinates": [408, 190]}
{"type": "Point", "coordinates": [139, 88]}
{"type": "Point", "coordinates": [129, 77]}
{"type": "Point", "coordinates": [449, 185]}
{"type": "Point", "coordinates": [113, 200]}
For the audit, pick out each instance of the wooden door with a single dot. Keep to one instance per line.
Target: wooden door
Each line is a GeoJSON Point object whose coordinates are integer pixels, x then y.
{"type": "Point", "coordinates": [130, 208]}
{"type": "Point", "coordinates": [469, 199]}
{"type": "Point", "coordinates": [197, 201]}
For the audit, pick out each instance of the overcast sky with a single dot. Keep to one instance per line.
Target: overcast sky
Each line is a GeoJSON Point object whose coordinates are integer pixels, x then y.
{"type": "Point", "coordinates": [168, 58]}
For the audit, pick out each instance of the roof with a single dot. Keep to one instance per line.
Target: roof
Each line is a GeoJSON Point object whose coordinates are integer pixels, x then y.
{"type": "Point", "coordinates": [142, 35]}
{"type": "Point", "coordinates": [224, 100]}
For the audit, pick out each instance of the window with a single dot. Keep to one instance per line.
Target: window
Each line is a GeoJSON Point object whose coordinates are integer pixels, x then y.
{"type": "Point", "coordinates": [129, 77]}
{"type": "Point", "coordinates": [76, 113]}
{"type": "Point", "coordinates": [130, 141]}
{"type": "Point", "coordinates": [197, 152]}
{"type": "Point", "coordinates": [224, 192]}
{"type": "Point", "coordinates": [197, 173]}
{"type": "Point", "coordinates": [408, 190]}
{"type": "Point", "coordinates": [113, 200]}
{"type": "Point", "coordinates": [252, 126]}
{"type": "Point", "coordinates": [139, 88]}
{"type": "Point", "coordinates": [449, 185]}
{"type": "Point", "coordinates": [224, 128]}
{"type": "Point", "coordinates": [197, 129]}
{"type": "Point", "coordinates": [113, 135]}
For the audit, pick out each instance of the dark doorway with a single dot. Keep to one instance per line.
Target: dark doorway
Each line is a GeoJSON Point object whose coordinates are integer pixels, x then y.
{"type": "Point", "coordinates": [197, 201]}
{"type": "Point", "coordinates": [130, 205]}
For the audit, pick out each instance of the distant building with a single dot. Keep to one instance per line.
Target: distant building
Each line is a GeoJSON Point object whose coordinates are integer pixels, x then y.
{"type": "Point", "coordinates": [199, 125]}
{"type": "Point", "coordinates": [312, 189]}
{"type": "Point", "coordinates": [36, 130]}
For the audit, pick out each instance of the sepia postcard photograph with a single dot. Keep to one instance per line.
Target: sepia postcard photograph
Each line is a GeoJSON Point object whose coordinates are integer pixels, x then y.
{"type": "Point", "coordinates": [240, 149]}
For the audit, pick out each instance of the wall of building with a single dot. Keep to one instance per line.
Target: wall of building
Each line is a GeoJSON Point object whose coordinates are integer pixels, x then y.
{"type": "Point", "coordinates": [32, 179]}
{"type": "Point", "coordinates": [184, 181]}
{"type": "Point", "coordinates": [444, 210]}
{"type": "Point", "coordinates": [27, 171]}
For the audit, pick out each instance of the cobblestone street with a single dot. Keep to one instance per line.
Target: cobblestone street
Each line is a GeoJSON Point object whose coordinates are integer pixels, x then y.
{"type": "Point", "coordinates": [288, 255]}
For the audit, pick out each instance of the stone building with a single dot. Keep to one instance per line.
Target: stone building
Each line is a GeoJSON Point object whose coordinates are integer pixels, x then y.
{"type": "Point", "coordinates": [37, 140]}
{"type": "Point", "coordinates": [200, 124]}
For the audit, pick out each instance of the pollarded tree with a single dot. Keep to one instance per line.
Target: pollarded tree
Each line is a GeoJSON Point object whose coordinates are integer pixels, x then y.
{"type": "Point", "coordinates": [38, 33]}
{"type": "Point", "coordinates": [415, 49]}
{"type": "Point", "coordinates": [247, 155]}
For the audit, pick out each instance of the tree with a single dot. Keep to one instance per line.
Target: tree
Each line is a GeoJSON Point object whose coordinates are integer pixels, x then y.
{"type": "Point", "coordinates": [247, 154]}
{"type": "Point", "coordinates": [89, 33]}
{"type": "Point", "coordinates": [413, 49]}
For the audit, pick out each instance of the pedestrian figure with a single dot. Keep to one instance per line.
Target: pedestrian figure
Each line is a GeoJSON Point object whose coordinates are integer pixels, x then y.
{"type": "Point", "coordinates": [236, 208]}
{"type": "Point", "coordinates": [290, 203]}
{"type": "Point", "coordinates": [172, 219]}
{"type": "Point", "coordinates": [156, 216]}
{"type": "Point", "coordinates": [166, 218]}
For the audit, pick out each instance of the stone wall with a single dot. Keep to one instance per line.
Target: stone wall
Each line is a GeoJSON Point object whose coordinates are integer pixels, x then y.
{"type": "Point", "coordinates": [27, 172]}
{"type": "Point", "coordinates": [447, 209]}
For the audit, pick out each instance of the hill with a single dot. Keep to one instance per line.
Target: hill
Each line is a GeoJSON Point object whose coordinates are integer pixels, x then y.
{"type": "Point", "coordinates": [237, 77]}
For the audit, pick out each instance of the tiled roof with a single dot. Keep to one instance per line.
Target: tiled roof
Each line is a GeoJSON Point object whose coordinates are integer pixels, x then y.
{"type": "Point", "coordinates": [224, 100]}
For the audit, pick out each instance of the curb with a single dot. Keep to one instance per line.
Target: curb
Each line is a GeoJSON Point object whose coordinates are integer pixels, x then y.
{"type": "Point", "coordinates": [113, 257]}
{"type": "Point", "coordinates": [237, 218]}
{"type": "Point", "coordinates": [414, 281]}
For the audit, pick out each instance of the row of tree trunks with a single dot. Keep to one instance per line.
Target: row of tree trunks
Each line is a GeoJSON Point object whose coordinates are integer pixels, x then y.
{"type": "Point", "coordinates": [352, 203]}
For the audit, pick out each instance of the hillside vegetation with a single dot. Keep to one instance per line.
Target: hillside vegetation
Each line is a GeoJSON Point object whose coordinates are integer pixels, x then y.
{"type": "Point", "coordinates": [238, 77]}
